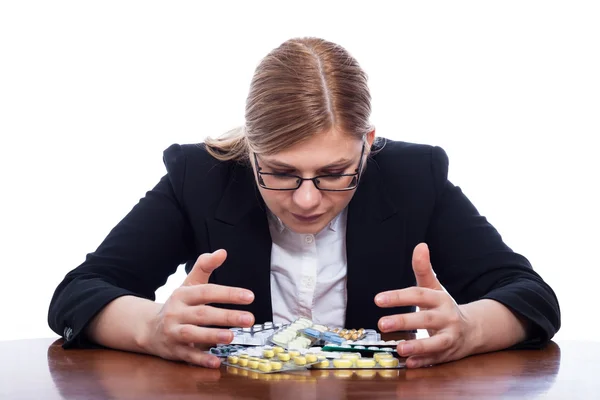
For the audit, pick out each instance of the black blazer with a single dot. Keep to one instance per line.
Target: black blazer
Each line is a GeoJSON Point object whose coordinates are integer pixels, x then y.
{"type": "Point", "coordinates": [403, 198]}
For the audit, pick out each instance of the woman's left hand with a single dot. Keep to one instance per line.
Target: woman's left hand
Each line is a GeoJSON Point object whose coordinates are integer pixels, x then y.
{"type": "Point", "coordinates": [452, 333]}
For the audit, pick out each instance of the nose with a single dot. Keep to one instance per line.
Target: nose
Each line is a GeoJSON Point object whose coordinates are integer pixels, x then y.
{"type": "Point", "coordinates": [307, 196]}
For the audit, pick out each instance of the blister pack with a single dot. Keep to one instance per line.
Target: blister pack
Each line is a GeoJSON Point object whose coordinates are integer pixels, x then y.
{"type": "Point", "coordinates": [268, 360]}
{"type": "Point", "coordinates": [383, 360]}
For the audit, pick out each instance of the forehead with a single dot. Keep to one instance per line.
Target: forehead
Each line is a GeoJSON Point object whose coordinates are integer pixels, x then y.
{"type": "Point", "coordinates": [319, 150]}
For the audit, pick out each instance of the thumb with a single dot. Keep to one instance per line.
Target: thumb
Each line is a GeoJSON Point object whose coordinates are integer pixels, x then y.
{"type": "Point", "coordinates": [204, 266]}
{"type": "Point", "coordinates": [422, 268]}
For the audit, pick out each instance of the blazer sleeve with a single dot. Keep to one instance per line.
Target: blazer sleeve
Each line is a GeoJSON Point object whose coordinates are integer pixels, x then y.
{"type": "Point", "coordinates": [472, 262]}
{"type": "Point", "coordinates": [136, 257]}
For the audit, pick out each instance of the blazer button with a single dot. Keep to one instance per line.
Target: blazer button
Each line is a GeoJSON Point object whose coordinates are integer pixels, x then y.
{"type": "Point", "coordinates": [68, 333]}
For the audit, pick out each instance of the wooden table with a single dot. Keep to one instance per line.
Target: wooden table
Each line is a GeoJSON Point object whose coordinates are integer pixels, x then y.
{"type": "Point", "coordinates": [41, 369]}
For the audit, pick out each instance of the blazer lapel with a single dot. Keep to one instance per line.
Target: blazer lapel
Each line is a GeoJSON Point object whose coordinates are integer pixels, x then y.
{"type": "Point", "coordinates": [375, 248]}
{"type": "Point", "coordinates": [241, 227]}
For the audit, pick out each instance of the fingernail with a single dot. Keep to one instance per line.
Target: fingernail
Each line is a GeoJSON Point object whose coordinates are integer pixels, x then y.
{"type": "Point", "coordinates": [386, 324]}
{"type": "Point", "coordinates": [245, 319]}
{"type": "Point", "coordinates": [224, 337]}
{"type": "Point", "coordinates": [215, 363]}
{"type": "Point", "coordinates": [247, 296]}
{"type": "Point", "coordinates": [407, 349]}
{"type": "Point", "coordinates": [381, 299]}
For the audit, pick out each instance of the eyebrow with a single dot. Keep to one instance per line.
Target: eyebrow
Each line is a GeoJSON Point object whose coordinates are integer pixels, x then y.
{"type": "Point", "coordinates": [339, 163]}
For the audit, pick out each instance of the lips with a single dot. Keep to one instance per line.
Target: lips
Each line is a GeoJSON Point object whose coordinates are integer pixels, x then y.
{"type": "Point", "coordinates": [307, 218]}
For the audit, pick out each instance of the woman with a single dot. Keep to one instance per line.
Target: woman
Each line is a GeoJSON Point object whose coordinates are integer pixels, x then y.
{"type": "Point", "coordinates": [303, 213]}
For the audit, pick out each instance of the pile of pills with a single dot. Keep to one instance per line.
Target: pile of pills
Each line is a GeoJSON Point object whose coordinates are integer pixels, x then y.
{"type": "Point", "coordinates": [257, 335]}
{"type": "Point", "coordinates": [290, 337]}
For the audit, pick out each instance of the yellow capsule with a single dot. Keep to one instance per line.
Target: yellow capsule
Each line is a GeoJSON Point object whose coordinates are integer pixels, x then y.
{"type": "Point", "coordinates": [232, 359]}
{"type": "Point", "coordinates": [253, 364]}
{"type": "Point", "coordinates": [254, 359]}
{"type": "Point", "coordinates": [365, 363]}
{"type": "Point", "coordinates": [354, 336]}
{"type": "Point", "coordinates": [268, 353]}
{"type": "Point", "coordinates": [300, 360]}
{"type": "Point", "coordinates": [243, 362]}
{"type": "Point", "coordinates": [244, 356]}
{"type": "Point", "coordinates": [278, 349]}
{"type": "Point", "coordinates": [342, 363]}
{"type": "Point", "coordinates": [311, 358]}
{"type": "Point", "coordinates": [350, 356]}
{"type": "Point", "coordinates": [322, 364]}
{"type": "Point", "coordinates": [284, 356]}
{"type": "Point", "coordinates": [380, 356]}
{"type": "Point", "coordinates": [294, 353]}
{"type": "Point", "coordinates": [265, 366]}
{"type": "Point", "coordinates": [276, 365]}
{"type": "Point", "coordinates": [388, 362]}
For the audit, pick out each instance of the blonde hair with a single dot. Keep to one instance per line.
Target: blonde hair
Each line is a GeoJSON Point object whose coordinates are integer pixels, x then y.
{"type": "Point", "coordinates": [304, 87]}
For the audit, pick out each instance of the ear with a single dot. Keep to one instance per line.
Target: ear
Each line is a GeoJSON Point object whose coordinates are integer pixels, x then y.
{"type": "Point", "coordinates": [370, 138]}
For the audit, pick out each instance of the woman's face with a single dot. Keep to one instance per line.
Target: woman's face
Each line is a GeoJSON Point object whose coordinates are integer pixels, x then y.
{"type": "Point", "coordinates": [308, 209]}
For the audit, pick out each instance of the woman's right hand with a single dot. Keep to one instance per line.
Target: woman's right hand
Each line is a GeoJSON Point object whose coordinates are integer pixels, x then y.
{"type": "Point", "coordinates": [179, 332]}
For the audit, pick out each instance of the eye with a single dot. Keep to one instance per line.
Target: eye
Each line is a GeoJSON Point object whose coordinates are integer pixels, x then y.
{"type": "Point", "coordinates": [337, 172]}
{"type": "Point", "coordinates": [281, 172]}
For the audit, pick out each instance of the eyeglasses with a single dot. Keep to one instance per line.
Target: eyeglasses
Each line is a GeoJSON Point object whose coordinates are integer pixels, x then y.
{"type": "Point", "coordinates": [329, 182]}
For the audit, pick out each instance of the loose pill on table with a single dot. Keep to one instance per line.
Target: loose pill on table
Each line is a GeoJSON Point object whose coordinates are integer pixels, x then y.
{"type": "Point", "coordinates": [311, 358]}
{"type": "Point", "coordinates": [276, 365]}
{"type": "Point", "coordinates": [342, 363]}
{"type": "Point", "coordinates": [253, 364]}
{"type": "Point", "coordinates": [232, 359]}
{"type": "Point", "coordinates": [388, 362]}
{"type": "Point", "coordinates": [265, 366]}
{"type": "Point", "coordinates": [365, 362]}
{"type": "Point", "coordinates": [284, 356]}
{"type": "Point", "coordinates": [300, 360]}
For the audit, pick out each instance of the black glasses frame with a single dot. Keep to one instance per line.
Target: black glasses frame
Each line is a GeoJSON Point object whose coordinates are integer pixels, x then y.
{"type": "Point", "coordinates": [300, 180]}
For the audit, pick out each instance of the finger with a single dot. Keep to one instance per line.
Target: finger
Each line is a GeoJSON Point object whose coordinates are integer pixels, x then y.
{"type": "Point", "coordinates": [188, 333]}
{"type": "Point", "coordinates": [204, 266]}
{"type": "Point", "coordinates": [419, 362]}
{"type": "Point", "coordinates": [412, 296]}
{"type": "Point", "coordinates": [195, 356]}
{"type": "Point", "coordinates": [417, 320]}
{"type": "Point", "coordinates": [207, 315]}
{"type": "Point", "coordinates": [422, 268]}
{"type": "Point", "coordinates": [428, 346]}
{"type": "Point", "coordinates": [211, 293]}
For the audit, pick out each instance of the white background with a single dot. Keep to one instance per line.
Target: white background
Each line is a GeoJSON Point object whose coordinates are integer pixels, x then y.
{"type": "Point", "coordinates": [91, 93]}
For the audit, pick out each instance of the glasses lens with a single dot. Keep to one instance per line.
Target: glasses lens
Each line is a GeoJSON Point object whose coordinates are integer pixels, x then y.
{"type": "Point", "coordinates": [279, 181]}
{"type": "Point", "coordinates": [336, 182]}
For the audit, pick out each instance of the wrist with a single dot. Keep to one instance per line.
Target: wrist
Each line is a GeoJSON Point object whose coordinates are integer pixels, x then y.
{"type": "Point", "coordinates": [474, 329]}
{"type": "Point", "coordinates": [146, 329]}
